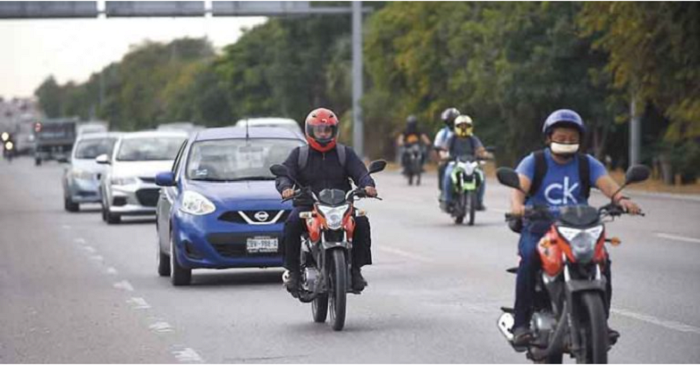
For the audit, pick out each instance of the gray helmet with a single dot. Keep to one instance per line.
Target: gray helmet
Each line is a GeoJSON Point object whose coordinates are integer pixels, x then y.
{"type": "Point", "coordinates": [448, 116]}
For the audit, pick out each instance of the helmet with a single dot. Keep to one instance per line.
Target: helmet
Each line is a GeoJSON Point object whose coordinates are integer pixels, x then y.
{"type": "Point", "coordinates": [448, 116]}
{"type": "Point", "coordinates": [464, 126]}
{"type": "Point", "coordinates": [324, 121]}
{"type": "Point", "coordinates": [411, 119]}
{"type": "Point", "coordinates": [563, 117]}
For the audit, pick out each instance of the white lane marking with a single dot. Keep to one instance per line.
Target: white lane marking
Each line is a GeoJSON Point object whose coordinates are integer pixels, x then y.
{"type": "Point", "coordinates": [125, 285]}
{"type": "Point", "coordinates": [65, 226]}
{"type": "Point", "coordinates": [161, 327]}
{"type": "Point", "coordinates": [97, 258]}
{"type": "Point", "coordinates": [138, 303]}
{"type": "Point", "coordinates": [111, 271]}
{"type": "Point", "coordinates": [90, 249]}
{"type": "Point", "coordinates": [672, 325]}
{"type": "Point", "coordinates": [80, 241]}
{"type": "Point", "coordinates": [677, 238]}
{"type": "Point", "coordinates": [405, 254]}
{"type": "Point", "coordinates": [187, 355]}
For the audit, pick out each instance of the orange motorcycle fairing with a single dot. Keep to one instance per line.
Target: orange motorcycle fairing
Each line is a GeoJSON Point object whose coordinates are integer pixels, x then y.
{"type": "Point", "coordinates": [349, 224]}
{"type": "Point", "coordinates": [550, 253]}
{"type": "Point", "coordinates": [314, 226]}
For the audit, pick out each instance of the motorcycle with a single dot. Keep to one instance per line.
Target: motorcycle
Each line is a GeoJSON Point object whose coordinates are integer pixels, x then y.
{"type": "Point", "coordinates": [568, 312]}
{"type": "Point", "coordinates": [8, 151]}
{"type": "Point", "coordinates": [412, 159]}
{"type": "Point", "coordinates": [326, 258]}
{"type": "Point", "coordinates": [467, 177]}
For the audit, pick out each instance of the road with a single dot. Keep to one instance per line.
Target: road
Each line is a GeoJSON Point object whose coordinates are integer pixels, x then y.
{"type": "Point", "coordinates": [73, 289]}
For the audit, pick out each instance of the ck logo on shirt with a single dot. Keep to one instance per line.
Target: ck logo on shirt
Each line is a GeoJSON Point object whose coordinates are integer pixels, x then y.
{"type": "Point", "coordinates": [566, 193]}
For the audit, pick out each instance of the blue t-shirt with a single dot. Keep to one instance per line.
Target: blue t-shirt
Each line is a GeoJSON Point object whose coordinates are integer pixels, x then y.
{"type": "Point", "coordinates": [561, 186]}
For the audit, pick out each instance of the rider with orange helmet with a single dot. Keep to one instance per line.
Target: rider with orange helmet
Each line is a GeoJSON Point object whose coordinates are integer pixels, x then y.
{"type": "Point", "coordinates": [324, 164]}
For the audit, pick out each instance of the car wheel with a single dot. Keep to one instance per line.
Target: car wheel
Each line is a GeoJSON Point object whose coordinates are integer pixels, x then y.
{"type": "Point", "coordinates": [69, 206]}
{"type": "Point", "coordinates": [178, 275]}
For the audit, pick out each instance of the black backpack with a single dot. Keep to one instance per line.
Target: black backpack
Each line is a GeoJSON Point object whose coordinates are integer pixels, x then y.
{"type": "Point", "coordinates": [584, 173]}
{"type": "Point", "coordinates": [303, 159]}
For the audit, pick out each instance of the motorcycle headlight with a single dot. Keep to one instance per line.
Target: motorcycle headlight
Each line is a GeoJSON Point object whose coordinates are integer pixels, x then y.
{"type": "Point", "coordinates": [334, 215]}
{"type": "Point", "coordinates": [582, 241]}
{"type": "Point", "coordinates": [196, 204]}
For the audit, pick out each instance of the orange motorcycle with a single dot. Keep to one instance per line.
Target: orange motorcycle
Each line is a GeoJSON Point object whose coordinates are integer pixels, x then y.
{"type": "Point", "coordinates": [568, 311]}
{"type": "Point", "coordinates": [327, 247]}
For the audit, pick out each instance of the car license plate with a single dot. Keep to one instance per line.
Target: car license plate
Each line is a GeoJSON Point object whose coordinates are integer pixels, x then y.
{"type": "Point", "coordinates": [261, 244]}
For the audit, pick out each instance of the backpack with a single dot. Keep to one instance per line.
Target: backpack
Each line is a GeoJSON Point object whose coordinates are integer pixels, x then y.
{"type": "Point", "coordinates": [584, 173]}
{"type": "Point", "coordinates": [303, 159]}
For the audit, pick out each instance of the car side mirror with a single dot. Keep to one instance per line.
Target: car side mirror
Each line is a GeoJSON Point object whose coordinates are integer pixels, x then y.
{"type": "Point", "coordinates": [377, 166]}
{"type": "Point", "coordinates": [279, 170]}
{"type": "Point", "coordinates": [508, 177]}
{"type": "Point", "coordinates": [636, 173]}
{"type": "Point", "coordinates": [102, 159]}
{"type": "Point", "coordinates": [165, 179]}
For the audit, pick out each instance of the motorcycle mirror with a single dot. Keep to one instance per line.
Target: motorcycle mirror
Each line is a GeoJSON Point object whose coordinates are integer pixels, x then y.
{"type": "Point", "coordinates": [279, 170]}
{"type": "Point", "coordinates": [636, 173]}
{"type": "Point", "coordinates": [508, 177]}
{"type": "Point", "coordinates": [491, 149]}
{"type": "Point", "coordinates": [377, 166]}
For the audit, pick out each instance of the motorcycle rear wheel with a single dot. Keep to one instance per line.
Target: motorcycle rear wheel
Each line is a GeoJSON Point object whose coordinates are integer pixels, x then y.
{"type": "Point", "coordinates": [338, 289]}
{"type": "Point", "coordinates": [319, 308]}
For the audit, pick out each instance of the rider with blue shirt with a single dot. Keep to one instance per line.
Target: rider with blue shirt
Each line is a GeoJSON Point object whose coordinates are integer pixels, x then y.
{"type": "Point", "coordinates": [554, 178]}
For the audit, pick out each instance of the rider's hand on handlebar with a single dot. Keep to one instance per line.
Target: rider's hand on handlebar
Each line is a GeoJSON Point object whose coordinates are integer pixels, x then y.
{"type": "Point", "coordinates": [629, 206]}
{"type": "Point", "coordinates": [287, 193]}
{"type": "Point", "coordinates": [371, 191]}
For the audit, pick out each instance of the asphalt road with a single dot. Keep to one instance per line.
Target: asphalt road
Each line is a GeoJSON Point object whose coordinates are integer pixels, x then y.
{"type": "Point", "coordinates": [73, 289]}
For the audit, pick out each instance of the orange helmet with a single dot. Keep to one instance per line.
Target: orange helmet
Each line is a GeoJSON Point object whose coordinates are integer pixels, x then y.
{"type": "Point", "coordinates": [321, 129]}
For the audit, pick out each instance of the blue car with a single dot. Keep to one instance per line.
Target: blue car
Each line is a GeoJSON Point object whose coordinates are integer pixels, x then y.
{"type": "Point", "coordinates": [218, 206]}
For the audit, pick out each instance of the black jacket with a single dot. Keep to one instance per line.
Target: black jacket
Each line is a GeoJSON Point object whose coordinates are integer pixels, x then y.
{"type": "Point", "coordinates": [324, 171]}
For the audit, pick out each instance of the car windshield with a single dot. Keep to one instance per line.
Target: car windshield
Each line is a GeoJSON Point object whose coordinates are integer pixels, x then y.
{"type": "Point", "coordinates": [149, 148]}
{"type": "Point", "coordinates": [89, 149]}
{"type": "Point", "coordinates": [237, 159]}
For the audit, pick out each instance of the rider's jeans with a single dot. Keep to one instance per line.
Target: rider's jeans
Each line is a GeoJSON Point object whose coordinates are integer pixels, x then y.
{"type": "Point", "coordinates": [295, 226]}
{"type": "Point", "coordinates": [527, 277]}
{"type": "Point", "coordinates": [448, 189]}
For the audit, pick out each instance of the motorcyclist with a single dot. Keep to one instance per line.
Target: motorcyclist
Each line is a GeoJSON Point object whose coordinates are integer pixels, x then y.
{"type": "Point", "coordinates": [463, 143]}
{"type": "Point", "coordinates": [448, 118]}
{"type": "Point", "coordinates": [324, 169]}
{"type": "Point", "coordinates": [561, 185]}
{"type": "Point", "coordinates": [412, 134]}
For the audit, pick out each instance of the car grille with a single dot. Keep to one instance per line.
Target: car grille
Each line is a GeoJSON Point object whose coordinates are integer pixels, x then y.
{"type": "Point", "coordinates": [148, 197]}
{"type": "Point", "coordinates": [234, 244]}
{"type": "Point", "coordinates": [236, 217]}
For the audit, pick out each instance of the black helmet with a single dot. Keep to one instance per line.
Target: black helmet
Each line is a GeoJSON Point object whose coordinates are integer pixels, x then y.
{"type": "Point", "coordinates": [448, 116]}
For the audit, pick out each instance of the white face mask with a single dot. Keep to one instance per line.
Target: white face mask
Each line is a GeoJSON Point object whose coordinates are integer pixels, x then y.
{"type": "Point", "coordinates": [564, 149]}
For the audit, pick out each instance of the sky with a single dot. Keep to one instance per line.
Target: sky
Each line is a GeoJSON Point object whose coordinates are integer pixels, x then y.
{"type": "Point", "coordinates": [73, 49]}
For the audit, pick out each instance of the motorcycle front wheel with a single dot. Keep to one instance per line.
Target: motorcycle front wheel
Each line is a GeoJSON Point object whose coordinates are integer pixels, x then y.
{"type": "Point", "coordinates": [595, 328]}
{"type": "Point", "coordinates": [460, 208]}
{"type": "Point", "coordinates": [338, 289]}
{"type": "Point", "coordinates": [471, 206]}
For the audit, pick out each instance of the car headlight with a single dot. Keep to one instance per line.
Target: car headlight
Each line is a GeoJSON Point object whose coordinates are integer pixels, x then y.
{"type": "Point", "coordinates": [124, 181]}
{"type": "Point", "coordinates": [334, 215]}
{"type": "Point", "coordinates": [582, 241]}
{"type": "Point", "coordinates": [195, 203]}
{"type": "Point", "coordinates": [81, 174]}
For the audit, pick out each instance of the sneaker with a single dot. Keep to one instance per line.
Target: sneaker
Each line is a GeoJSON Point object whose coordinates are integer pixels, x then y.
{"type": "Point", "coordinates": [522, 336]}
{"type": "Point", "coordinates": [291, 281]}
{"type": "Point", "coordinates": [358, 281]}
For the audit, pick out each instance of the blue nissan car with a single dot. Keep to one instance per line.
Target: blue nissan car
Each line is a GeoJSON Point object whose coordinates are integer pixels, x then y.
{"type": "Point", "coordinates": [218, 206]}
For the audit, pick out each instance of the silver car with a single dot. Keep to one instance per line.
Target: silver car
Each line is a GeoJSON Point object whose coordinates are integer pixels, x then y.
{"type": "Point", "coordinates": [128, 184]}
{"type": "Point", "coordinates": [81, 177]}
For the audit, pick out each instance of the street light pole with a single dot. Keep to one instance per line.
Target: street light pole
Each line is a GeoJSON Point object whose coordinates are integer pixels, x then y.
{"type": "Point", "coordinates": [357, 126]}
